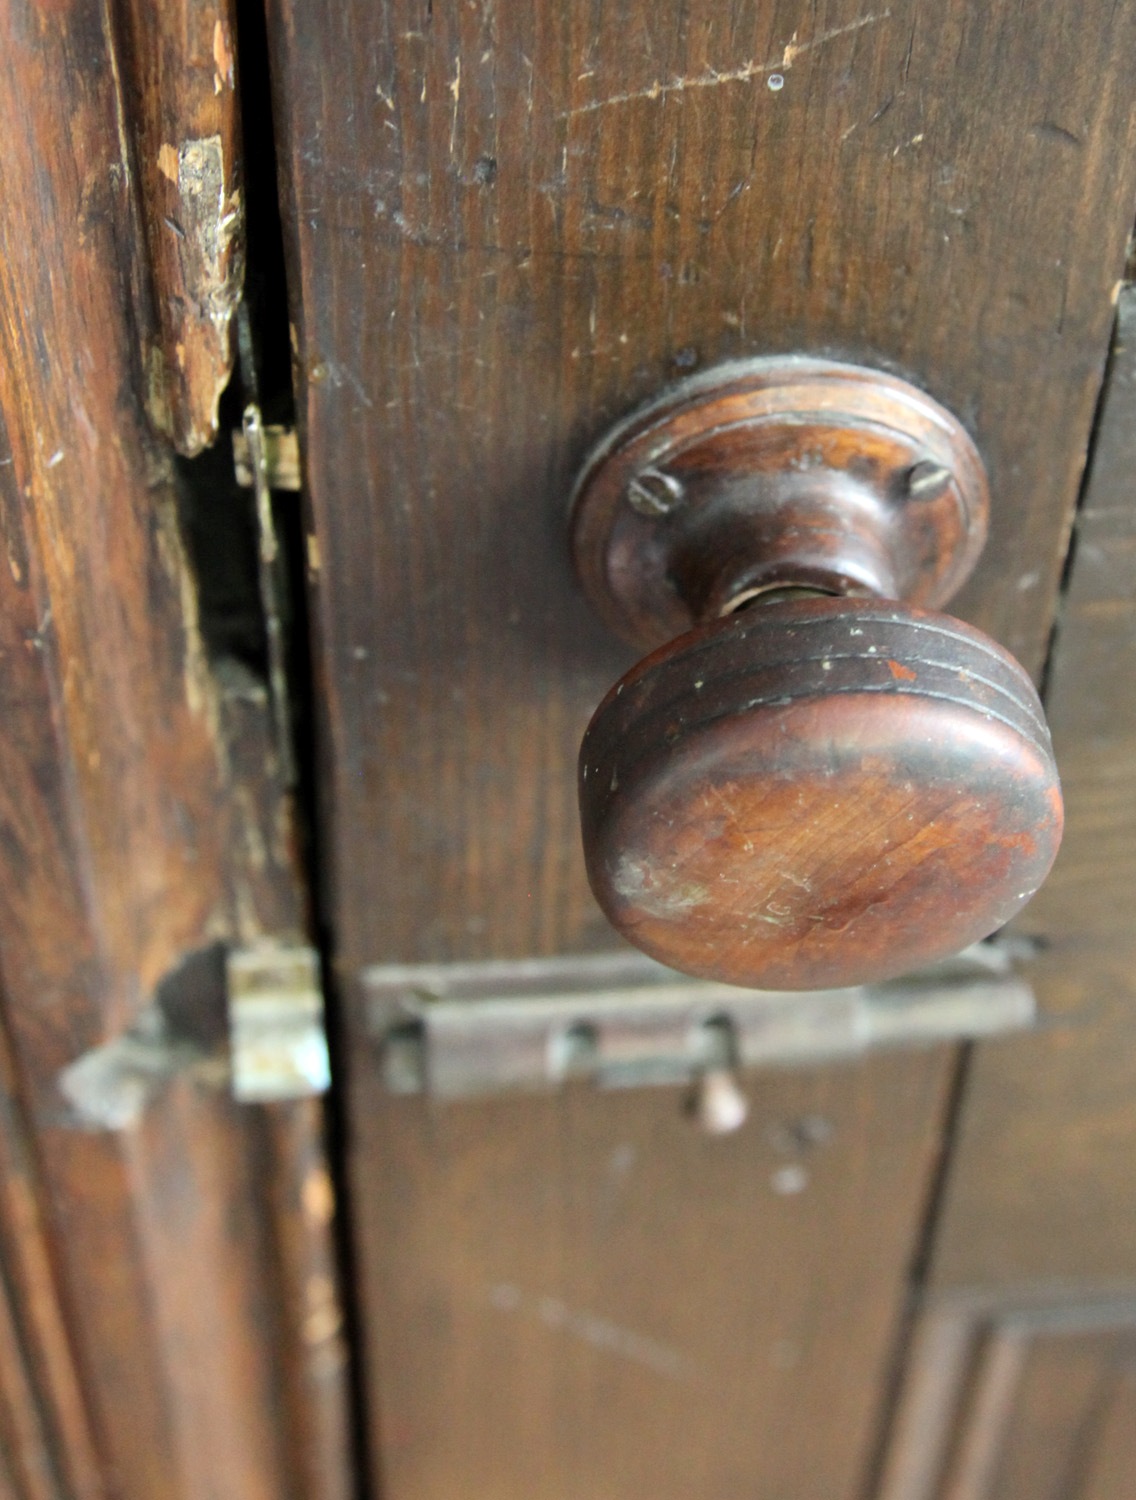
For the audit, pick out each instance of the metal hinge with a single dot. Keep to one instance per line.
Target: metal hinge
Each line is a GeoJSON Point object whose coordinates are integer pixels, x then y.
{"type": "Point", "coordinates": [281, 458]}
{"type": "Point", "coordinates": [620, 1021]}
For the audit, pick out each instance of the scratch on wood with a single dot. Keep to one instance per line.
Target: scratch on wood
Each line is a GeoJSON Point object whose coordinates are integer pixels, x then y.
{"type": "Point", "coordinates": [119, 95]}
{"type": "Point", "coordinates": [601, 1333]}
{"type": "Point", "coordinates": [907, 145]}
{"type": "Point", "coordinates": [455, 92]}
{"type": "Point", "coordinates": [222, 58]}
{"type": "Point", "coordinates": [748, 71]}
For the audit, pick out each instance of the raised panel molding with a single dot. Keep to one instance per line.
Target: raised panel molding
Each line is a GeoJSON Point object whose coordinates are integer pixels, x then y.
{"type": "Point", "coordinates": [1029, 1399]}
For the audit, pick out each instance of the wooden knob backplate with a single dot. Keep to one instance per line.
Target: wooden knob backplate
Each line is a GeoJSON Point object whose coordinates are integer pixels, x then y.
{"type": "Point", "coordinates": [818, 793]}
{"type": "Point", "coordinates": [771, 471]}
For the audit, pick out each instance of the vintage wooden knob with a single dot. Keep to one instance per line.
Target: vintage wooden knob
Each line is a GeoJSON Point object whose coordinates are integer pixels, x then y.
{"type": "Point", "coordinates": [814, 780]}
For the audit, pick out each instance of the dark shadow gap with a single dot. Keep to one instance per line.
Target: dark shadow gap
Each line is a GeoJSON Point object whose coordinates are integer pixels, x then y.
{"type": "Point", "coordinates": [271, 354]}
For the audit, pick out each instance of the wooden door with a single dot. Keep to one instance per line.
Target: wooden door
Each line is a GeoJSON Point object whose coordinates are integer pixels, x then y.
{"type": "Point", "coordinates": [502, 228]}
{"type": "Point", "coordinates": [506, 227]}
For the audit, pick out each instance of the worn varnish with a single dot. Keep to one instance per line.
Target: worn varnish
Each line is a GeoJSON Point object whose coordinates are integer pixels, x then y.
{"type": "Point", "coordinates": [1039, 1204]}
{"type": "Point", "coordinates": [818, 793]}
{"type": "Point", "coordinates": [587, 1296]}
{"type": "Point", "coordinates": [508, 230]}
{"type": "Point", "coordinates": [142, 825]}
{"type": "Point", "coordinates": [508, 226]}
{"type": "Point", "coordinates": [1042, 1185]}
{"type": "Point", "coordinates": [103, 637]}
{"type": "Point", "coordinates": [179, 108]}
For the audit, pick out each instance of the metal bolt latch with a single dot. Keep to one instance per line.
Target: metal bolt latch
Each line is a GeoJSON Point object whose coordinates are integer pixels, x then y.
{"type": "Point", "coordinates": [622, 1020]}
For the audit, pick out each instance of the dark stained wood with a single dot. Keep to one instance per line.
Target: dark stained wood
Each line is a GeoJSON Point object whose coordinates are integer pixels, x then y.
{"type": "Point", "coordinates": [1040, 1190]}
{"type": "Point", "coordinates": [25, 1444]}
{"type": "Point", "coordinates": [588, 1296]}
{"type": "Point", "coordinates": [143, 824]}
{"type": "Point", "coordinates": [179, 106]}
{"type": "Point", "coordinates": [308, 1302]}
{"type": "Point", "coordinates": [507, 228]}
{"type": "Point", "coordinates": [768, 474]}
{"type": "Point", "coordinates": [193, 1239]}
{"type": "Point", "coordinates": [818, 793]}
{"type": "Point", "coordinates": [47, 1422]}
{"type": "Point", "coordinates": [1042, 1181]}
{"type": "Point", "coordinates": [507, 231]}
{"type": "Point", "coordinates": [114, 817]}
{"type": "Point", "coordinates": [1091, 700]}
{"type": "Point", "coordinates": [214, 1220]}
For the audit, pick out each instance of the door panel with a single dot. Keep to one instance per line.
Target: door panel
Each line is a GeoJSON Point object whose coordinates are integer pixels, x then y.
{"type": "Point", "coordinates": [164, 1339]}
{"type": "Point", "coordinates": [586, 1296]}
{"type": "Point", "coordinates": [1021, 1379]}
{"type": "Point", "coordinates": [1019, 1400]}
{"type": "Point", "coordinates": [507, 226]}
{"type": "Point", "coordinates": [1043, 1181]}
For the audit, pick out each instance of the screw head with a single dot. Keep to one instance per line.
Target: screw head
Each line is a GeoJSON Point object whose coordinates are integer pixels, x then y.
{"type": "Point", "coordinates": [926, 480]}
{"type": "Point", "coordinates": [654, 493]}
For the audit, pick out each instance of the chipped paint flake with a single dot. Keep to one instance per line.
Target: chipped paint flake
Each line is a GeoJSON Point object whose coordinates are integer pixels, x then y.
{"type": "Point", "coordinates": [168, 162]}
{"type": "Point", "coordinates": [222, 58]}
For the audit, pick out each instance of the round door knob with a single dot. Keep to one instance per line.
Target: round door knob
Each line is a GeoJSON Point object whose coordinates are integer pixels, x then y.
{"type": "Point", "coordinates": [814, 780]}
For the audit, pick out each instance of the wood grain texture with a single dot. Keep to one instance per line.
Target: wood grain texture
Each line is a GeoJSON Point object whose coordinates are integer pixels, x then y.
{"type": "Point", "coordinates": [587, 1297]}
{"type": "Point", "coordinates": [509, 227]}
{"type": "Point", "coordinates": [206, 1295]}
{"type": "Point", "coordinates": [122, 828]}
{"type": "Point", "coordinates": [817, 793]}
{"type": "Point", "coordinates": [790, 472]}
{"type": "Point", "coordinates": [309, 1302]}
{"type": "Point", "coordinates": [25, 1442]}
{"type": "Point", "coordinates": [142, 824]}
{"type": "Point", "coordinates": [48, 1434]}
{"type": "Point", "coordinates": [1017, 1399]}
{"type": "Point", "coordinates": [179, 104]}
{"type": "Point", "coordinates": [1042, 1183]}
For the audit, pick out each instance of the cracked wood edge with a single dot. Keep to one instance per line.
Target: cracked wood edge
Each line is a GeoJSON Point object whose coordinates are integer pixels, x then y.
{"type": "Point", "coordinates": [180, 108]}
{"type": "Point", "coordinates": [143, 824]}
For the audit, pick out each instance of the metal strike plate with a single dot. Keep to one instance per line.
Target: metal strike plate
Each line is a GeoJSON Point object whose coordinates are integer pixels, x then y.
{"type": "Point", "coordinates": [277, 1040]}
{"type": "Point", "coordinates": [621, 1021]}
